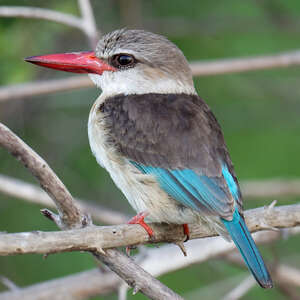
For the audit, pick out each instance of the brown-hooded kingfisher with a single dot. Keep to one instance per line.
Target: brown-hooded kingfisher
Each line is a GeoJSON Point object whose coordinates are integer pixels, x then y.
{"type": "Point", "coordinates": [159, 141]}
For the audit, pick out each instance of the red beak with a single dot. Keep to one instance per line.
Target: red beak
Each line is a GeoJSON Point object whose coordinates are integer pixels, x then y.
{"type": "Point", "coordinates": [76, 62]}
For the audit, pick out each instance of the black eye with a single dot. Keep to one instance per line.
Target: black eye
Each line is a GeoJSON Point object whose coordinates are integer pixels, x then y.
{"type": "Point", "coordinates": [123, 61]}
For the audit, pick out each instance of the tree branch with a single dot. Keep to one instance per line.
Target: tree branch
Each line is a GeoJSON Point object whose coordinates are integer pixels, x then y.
{"type": "Point", "coordinates": [88, 21]}
{"type": "Point", "coordinates": [71, 217]}
{"type": "Point", "coordinates": [32, 193]}
{"type": "Point", "coordinates": [78, 286]}
{"type": "Point", "coordinates": [236, 65]}
{"type": "Point", "coordinates": [157, 261]}
{"type": "Point", "coordinates": [69, 214]}
{"type": "Point", "coordinates": [127, 269]}
{"type": "Point", "coordinates": [286, 277]}
{"type": "Point", "coordinates": [280, 272]}
{"type": "Point", "coordinates": [270, 188]}
{"type": "Point", "coordinates": [102, 237]}
{"type": "Point", "coordinates": [288, 291]}
{"type": "Point", "coordinates": [41, 13]}
{"type": "Point", "coordinates": [8, 283]}
{"type": "Point", "coordinates": [240, 290]}
{"type": "Point", "coordinates": [25, 90]}
{"type": "Point", "coordinates": [86, 24]}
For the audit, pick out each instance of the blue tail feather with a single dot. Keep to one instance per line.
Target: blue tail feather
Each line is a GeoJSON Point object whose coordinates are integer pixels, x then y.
{"type": "Point", "coordinates": [244, 242]}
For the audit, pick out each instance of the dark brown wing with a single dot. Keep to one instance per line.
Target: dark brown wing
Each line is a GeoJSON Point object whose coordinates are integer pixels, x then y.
{"type": "Point", "coordinates": [170, 131]}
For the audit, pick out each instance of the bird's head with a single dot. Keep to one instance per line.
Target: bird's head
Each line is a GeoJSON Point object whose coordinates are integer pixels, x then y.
{"type": "Point", "coordinates": [129, 62]}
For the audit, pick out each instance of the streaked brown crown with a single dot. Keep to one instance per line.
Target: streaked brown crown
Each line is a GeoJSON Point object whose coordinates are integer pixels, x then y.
{"type": "Point", "coordinates": [154, 50]}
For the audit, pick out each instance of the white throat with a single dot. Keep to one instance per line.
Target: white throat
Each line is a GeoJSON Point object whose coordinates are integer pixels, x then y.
{"type": "Point", "coordinates": [133, 81]}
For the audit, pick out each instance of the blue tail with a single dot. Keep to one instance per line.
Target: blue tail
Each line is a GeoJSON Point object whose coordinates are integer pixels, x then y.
{"type": "Point", "coordinates": [244, 242]}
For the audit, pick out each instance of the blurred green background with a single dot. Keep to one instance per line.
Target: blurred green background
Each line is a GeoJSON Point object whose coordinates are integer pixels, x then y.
{"type": "Point", "coordinates": [259, 112]}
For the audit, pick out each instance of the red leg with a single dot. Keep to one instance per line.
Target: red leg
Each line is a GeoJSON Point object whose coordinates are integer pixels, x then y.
{"type": "Point", "coordinates": [186, 231]}
{"type": "Point", "coordinates": [139, 219]}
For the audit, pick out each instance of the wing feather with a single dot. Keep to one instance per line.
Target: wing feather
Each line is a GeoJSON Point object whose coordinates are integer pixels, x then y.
{"type": "Point", "coordinates": [178, 139]}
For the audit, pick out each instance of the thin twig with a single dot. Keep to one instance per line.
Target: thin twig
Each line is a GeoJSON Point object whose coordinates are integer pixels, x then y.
{"type": "Point", "coordinates": [240, 290]}
{"type": "Point", "coordinates": [8, 283]}
{"type": "Point", "coordinates": [88, 21]}
{"type": "Point", "coordinates": [122, 291]}
{"type": "Point", "coordinates": [32, 193]}
{"type": "Point", "coordinates": [41, 13]}
{"type": "Point", "coordinates": [288, 291]}
{"type": "Point", "coordinates": [287, 274]}
{"type": "Point", "coordinates": [78, 286]}
{"type": "Point", "coordinates": [104, 237]}
{"type": "Point", "coordinates": [236, 65]}
{"type": "Point", "coordinates": [136, 276]}
{"type": "Point", "coordinates": [69, 213]}
{"type": "Point", "coordinates": [286, 277]}
{"type": "Point", "coordinates": [86, 24]}
{"type": "Point", "coordinates": [271, 188]}
{"type": "Point", "coordinates": [223, 66]}
{"type": "Point", "coordinates": [25, 90]}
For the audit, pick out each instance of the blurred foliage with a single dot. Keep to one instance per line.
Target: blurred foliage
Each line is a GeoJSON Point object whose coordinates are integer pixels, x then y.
{"type": "Point", "coordinates": [259, 113]}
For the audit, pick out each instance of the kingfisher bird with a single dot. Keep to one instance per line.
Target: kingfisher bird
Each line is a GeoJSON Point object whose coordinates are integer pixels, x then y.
{"type": "Point", "coordinates": [159, 141]}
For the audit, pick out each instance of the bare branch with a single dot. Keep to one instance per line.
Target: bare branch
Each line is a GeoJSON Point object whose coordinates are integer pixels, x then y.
{"type": "Point", "coordinates": [271, 217]}
{"type": "Point", "coordinates": [103, 237]}
{"type": "Point", "coordinates": [136, 276]}
{"type": "Point", "coordinates": [287, 275]}
{"type": "Point", "coordinates": [71, 217]}
{"type": "Point", "coordinates": [41, 13]}
{"type": "Point", "coordinates": [78, 286]}
{"type": "Point", "coordinates": [240, 290]}
{"type": "Point", "coordinates": [270, 188]}
{"type": "Point", "coordinates": [288, 291]}
{"type": "Point", "coordinates": [90, 283]}
{"type": "Point", "coordinates": [122, 291]}
{"type": "Point", "coordinates": [8, 283]}
{"type": "Point", "coordinates": [86, 24]}
{"type": "Point", "coordinates": [21, 91]}
{"type": "Point", "coordinates": [157, 261]}
{"type": "Point", "coordinates": [88, 21]}
{"type": "Point", "coordinates": [32, 193]}
{"type": "Point", "coordinates": [235, 65]}
{"type": "Point", "coordinates": [70, 214]}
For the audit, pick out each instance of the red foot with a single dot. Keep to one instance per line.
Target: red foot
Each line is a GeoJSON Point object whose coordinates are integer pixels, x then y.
{"type": "Point", "coordinates": [186, 231]}
{"type": "Point", "coordinates": [139, 219]}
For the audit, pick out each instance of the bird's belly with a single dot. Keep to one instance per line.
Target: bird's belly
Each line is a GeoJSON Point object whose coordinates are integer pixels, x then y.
{"type": "Point", "coordinates": [145, 195]}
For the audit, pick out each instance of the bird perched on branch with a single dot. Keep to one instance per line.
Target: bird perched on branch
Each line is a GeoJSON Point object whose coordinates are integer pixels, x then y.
{"type": "Point", "coordinates": [159, 141]}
